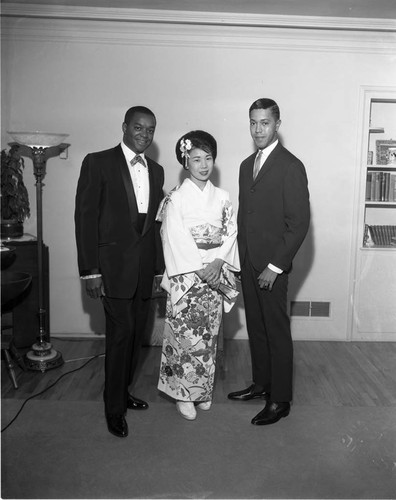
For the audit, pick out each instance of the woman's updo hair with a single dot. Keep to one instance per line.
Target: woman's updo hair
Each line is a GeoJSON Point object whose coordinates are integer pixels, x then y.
{"type": "Point", "coordinates": [195, 139]}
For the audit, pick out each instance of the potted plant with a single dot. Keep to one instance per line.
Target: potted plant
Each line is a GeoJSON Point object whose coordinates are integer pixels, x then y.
{"type": "Point", "coordinates": [15, 207]}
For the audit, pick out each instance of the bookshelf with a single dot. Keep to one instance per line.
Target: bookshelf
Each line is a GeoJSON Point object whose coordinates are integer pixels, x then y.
{"type": "Point", "coordinates": [373, 278]}
{"type": "Point", "coordinates": [380, 172]}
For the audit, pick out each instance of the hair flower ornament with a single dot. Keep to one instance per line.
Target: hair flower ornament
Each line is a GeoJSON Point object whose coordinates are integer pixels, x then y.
{"type": "Point", "coordinates": [185, 146]}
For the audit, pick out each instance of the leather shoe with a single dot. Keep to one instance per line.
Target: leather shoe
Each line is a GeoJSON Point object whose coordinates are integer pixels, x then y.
{"type": "Point", "coordinates": [117, 424]}
{"type": "Point", "coordinates": [247, 394]}
{"type": "Point", "coordinates": [136, 404]}
{"type": "Point", "coordinates": [271, 413]}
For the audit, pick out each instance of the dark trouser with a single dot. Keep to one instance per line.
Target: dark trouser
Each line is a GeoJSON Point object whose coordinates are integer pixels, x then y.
{"type": "Point", "coordinates": [268, 326]}
{"type": "Point", "coordinates": [126, 321]}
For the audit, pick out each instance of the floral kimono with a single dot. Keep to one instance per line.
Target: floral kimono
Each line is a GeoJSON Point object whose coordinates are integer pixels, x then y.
{"type": "Point", "coordinates": [198, 226]}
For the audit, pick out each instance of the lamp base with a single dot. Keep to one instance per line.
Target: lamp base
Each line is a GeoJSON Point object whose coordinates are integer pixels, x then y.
{"type": "Point", "coordinates": [43, 357]}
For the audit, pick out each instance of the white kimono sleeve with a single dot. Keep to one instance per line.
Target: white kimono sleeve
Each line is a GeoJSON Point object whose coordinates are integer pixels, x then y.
{"type": "Point", "coordinates": [228, 251]}
{"type": "Point", "coordinates": [181, 254]}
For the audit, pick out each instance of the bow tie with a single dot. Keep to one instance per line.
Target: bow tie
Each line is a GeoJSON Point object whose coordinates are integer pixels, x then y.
{"type": "Point", "coordinates": [138, 159]}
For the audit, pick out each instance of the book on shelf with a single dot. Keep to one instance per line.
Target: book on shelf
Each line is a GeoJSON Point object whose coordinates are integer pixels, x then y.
{"type": "Point", "coordinates": [383, 236]}
{"type": "Point", "coordinates": [381, 186]}
{"type": "Point", "coordinates": [368, 185]}
{"type": "Point", "coordinates": [384, 192]}
{"type": "Point", "coordinates": [392, 187]}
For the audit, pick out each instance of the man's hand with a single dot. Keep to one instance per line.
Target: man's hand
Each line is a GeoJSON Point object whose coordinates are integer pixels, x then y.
{"type": "Point", "coordinates": [267, 278]}
{"type": "Point", "coordinates": [94, 287]}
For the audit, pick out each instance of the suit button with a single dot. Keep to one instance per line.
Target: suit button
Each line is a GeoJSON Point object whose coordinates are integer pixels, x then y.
{"type": "Point", "coordinates": [252, 190]}
{"type": "Point", "coordinates": [250, 211]}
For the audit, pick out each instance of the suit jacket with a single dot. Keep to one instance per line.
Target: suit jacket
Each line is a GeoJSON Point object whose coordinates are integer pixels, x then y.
{"type": "Point", "coordinates": [274, 213]}
{"type": "Point", "coordinates": [106, 220]}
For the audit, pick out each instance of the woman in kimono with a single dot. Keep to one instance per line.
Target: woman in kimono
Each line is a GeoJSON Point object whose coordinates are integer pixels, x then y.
{"type": "Point", "coordinates": [199, 241]}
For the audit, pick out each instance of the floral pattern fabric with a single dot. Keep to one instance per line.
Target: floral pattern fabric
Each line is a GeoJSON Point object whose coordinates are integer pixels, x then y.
{"type": "Point", "coordinates": [189, 346]}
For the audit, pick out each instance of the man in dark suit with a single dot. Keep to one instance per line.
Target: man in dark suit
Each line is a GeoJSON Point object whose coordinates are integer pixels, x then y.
{"type": "Point", "coordinates": [119, 251]}
{"type": "Point", "coordinates": [273, 220]}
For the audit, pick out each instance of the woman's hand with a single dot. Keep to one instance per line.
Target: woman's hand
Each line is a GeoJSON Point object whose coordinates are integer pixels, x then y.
{"type": "Point", "coordinates": [214, 285]}
{"type": "Point", "coordinates": [199, 273]}
{"type": "Point", "coordinates": [211, 273]}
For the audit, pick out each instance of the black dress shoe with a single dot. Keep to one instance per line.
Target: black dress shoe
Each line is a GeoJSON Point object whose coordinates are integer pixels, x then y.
{"type": "Point", "coordinates": [247, 394]}
{"type": "Point", "coordinates": [136, 404]}
{"type": "Point", "coordinates": [117, 424]}
{"type": "Point", "coordinates": [271, 413]}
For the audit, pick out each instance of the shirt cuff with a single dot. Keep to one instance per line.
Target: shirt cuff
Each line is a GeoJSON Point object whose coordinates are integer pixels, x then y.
{"type": "Point", "coordinates": [90, 276]}
{"type": "Point", "coordinates": [275, 269]}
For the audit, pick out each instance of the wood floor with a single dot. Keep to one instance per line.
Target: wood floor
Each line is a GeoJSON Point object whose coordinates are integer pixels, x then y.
{"type": "Point", "coordinates": [326, 373]}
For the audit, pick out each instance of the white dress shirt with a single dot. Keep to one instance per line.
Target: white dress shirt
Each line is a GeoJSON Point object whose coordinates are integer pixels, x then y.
{"type": "Point", "coordinates": [266, 152]}
{"type": "Point", "coordinates": [140, 178]}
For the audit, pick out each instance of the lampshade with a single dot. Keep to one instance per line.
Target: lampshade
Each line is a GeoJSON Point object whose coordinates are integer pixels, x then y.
{"type": "Point", "coordinates": [38, 139]}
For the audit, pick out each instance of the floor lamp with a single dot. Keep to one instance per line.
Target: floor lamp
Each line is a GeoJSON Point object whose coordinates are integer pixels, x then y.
{"type": "Point", "coordinates": [42, 355]}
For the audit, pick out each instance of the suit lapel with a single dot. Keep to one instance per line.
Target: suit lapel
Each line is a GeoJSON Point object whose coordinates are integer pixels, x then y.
{"type": "Point", "coordinates": [151, 196]}
{"type": "Point", "coordinates": [249, 171]}
{"type": "Point", "coordinates": [268, 164]}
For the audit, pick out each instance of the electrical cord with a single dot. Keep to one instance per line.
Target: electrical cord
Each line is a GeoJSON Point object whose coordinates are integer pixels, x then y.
{"type": "Point", "coordinates": [50, 386]}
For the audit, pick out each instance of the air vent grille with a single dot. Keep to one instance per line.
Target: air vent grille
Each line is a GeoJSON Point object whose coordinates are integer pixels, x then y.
{"type": "Point", "coordinates": [310, 309]}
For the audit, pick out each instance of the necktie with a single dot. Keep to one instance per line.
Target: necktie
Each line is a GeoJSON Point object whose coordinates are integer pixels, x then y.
{"type": "Point", "coordinates": [137, 159]}
{"type": "Point", "coordinates": [257, 161]}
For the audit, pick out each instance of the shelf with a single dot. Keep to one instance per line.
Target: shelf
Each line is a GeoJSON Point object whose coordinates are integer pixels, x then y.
{"type": "Point", "coordinates": [377, 248]}
{"type": "Point", "coordinates": [383, 168]}
{"type": "Point", "coordinates": [381, 204]}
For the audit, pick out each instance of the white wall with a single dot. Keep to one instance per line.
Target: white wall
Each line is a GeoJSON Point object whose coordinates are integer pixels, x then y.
{"type": "Point", "coordinates": [79, 77]}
